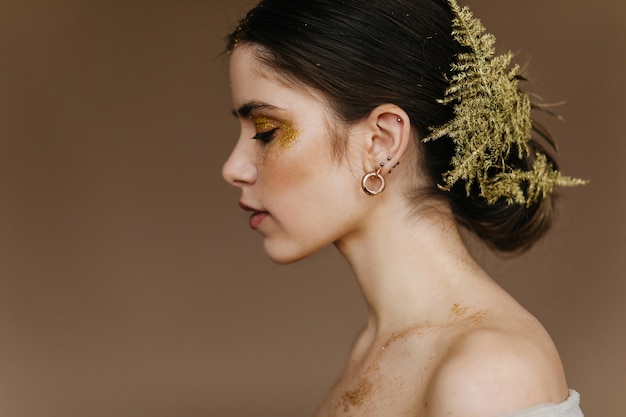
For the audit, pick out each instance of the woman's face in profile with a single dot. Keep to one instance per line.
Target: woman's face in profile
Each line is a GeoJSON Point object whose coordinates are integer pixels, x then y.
{"type": "Point", "coordinates": [299, 195]}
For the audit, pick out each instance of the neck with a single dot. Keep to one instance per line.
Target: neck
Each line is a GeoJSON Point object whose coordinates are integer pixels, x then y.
{"type": "Point", "coordinates": [409, 269]}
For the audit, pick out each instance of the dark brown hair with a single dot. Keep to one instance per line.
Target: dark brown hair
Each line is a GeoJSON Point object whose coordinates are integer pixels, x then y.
{"type": "Point", "coordinates": [361, 54]}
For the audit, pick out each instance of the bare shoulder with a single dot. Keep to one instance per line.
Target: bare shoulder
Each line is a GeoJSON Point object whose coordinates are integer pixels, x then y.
{"type": "Point", "coordinates": [492, 371]}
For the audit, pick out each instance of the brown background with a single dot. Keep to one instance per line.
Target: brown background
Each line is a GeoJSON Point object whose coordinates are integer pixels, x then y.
{"type": "Point", "coordinates": [130, 284]}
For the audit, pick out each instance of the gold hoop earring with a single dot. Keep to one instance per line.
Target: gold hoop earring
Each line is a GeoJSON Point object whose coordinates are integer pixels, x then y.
{"type": "Point", "coordinates": [381, 179]}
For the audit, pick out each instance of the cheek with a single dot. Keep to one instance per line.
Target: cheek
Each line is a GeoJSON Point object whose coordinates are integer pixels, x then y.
{"type": "Point", "coordinates": [285, 171]}
{"type": "Point", "coordinates": [298, 168]}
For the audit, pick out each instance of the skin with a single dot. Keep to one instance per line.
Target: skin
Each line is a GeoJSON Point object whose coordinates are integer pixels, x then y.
{"type": "Point", "coordinates": [442, 338]}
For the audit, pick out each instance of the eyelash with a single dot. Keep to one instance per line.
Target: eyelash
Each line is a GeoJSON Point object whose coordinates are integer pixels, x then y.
{"type": "Point", "coordinates": [265, 137]}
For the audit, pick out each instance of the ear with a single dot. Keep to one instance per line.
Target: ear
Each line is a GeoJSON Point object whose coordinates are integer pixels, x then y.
{"type": "Point", "coordinates": [387, 135]}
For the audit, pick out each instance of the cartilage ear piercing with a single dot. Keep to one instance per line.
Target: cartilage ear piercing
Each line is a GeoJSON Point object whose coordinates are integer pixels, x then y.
{"type": "Point", "coordinates": [399, 120]}
{"type": "Point", "coordinates": [394, 167]}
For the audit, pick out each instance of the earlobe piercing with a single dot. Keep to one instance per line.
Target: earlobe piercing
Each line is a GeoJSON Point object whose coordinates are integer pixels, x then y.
{"type": "Point", "coordinates": [380, 178]}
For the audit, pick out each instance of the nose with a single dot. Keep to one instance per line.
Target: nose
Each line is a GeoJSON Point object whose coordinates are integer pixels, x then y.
{"type": "Point", "coordinates": [240, 168]}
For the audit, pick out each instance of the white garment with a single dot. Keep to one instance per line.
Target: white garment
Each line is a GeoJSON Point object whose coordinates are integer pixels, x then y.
{"type": "Point", "coordinates": [568, 408]}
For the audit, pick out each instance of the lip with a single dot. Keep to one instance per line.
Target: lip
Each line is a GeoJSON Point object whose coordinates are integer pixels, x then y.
{"type": "Point", "coordinates": [256, 217]}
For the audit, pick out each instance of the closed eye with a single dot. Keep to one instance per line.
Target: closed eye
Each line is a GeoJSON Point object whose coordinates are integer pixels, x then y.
{"type": "Point", "coordinates": [266, 137]}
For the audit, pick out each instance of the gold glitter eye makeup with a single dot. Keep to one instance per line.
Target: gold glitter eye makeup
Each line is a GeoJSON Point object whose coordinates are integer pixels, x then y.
{"type": "Point", "coordinates": [267, 131]}
{"type": "Point", "coordinates": [288, 136]}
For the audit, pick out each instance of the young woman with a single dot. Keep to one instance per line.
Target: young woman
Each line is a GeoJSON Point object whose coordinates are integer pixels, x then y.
{"type": "Point", "coordinates": [383, 127]}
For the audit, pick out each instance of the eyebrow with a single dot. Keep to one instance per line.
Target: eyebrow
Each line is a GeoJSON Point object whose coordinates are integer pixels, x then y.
{"type": "Point", "coordinates": [247, 109]}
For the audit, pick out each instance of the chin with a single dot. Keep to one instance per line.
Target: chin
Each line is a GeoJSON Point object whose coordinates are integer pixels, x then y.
{"type": "Point", "coordinates": [286, 255]}
{"type": "Point", "coordinates": [283, 258]}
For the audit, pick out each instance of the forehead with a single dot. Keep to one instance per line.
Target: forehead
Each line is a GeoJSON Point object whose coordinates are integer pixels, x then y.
{"type": "Point", "coordinates": [252, 81]}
